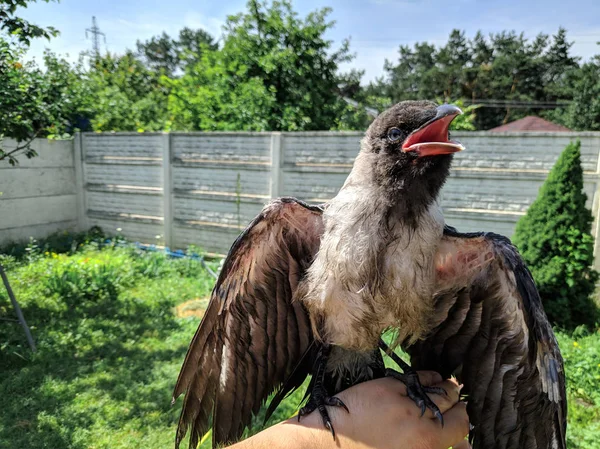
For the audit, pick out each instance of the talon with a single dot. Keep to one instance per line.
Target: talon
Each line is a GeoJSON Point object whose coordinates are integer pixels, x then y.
{"type": "Point", "coordinates": [336, 402]}
{"type": "Point", "coordinates": [435, 390]}
{"type": "Point", "coordinates": [440, 417]}
{"type": "Point", "coordinates": [418, 393]}
{"type": "Point", "coordinates": [319, 396]}
{"type": "Point", "coordinates": [330, 427]}
{"type": "Point", "coordinates": [305, 411]}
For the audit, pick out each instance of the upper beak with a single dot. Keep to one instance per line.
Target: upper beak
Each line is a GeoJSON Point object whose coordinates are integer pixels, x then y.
{"type": "Point", "coordinates": [431, 139]}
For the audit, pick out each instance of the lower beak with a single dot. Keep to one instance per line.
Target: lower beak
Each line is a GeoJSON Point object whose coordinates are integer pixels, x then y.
{"type": "Point", "coordinates": [431, 139]}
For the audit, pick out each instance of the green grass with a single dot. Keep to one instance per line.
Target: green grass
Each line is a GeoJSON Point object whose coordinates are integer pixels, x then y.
{"type": "Point", "coordinates": [581, 352]}
{"type": "Point", "coordinates": [110, 345]}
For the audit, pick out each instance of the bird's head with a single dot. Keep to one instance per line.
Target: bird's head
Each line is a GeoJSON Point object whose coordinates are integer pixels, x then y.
{"type": "Point", "coordinates": [410, 148]}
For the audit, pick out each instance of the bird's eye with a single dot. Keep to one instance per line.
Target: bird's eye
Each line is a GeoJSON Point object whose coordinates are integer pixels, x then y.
{"type": "Point", "coordinates": [394, 134]}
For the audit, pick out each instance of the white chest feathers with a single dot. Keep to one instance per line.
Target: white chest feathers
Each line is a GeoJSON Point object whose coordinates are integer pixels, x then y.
{"type": "Point", "coordinates": [372, 273]}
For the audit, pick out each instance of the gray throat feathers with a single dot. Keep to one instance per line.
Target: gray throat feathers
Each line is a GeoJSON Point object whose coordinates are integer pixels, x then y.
{"type": "Point", "coordinates": [373, 271]}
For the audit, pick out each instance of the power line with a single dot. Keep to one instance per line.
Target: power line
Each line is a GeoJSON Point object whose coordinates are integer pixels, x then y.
{"type": "Point", "coordinates": [518, 104]}
{"type": "Point", "coordinates": [95, 31]}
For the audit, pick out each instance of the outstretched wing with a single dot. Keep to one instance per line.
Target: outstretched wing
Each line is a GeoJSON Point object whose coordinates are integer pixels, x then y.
{"type": "Point", "coordinates": [492, 332]}
{"type": "Point", "coordinates": [253, 334]}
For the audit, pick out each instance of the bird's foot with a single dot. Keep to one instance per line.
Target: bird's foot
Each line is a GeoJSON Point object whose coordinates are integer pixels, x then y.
{"type": "Point", "coordinates": [414, 389]}
{"type": "Point", "coordinates": [418, 392]}
{"type": "Point", "coordinates": [319, 397]}
{"type": "Point", "coordinates": [318, 400]}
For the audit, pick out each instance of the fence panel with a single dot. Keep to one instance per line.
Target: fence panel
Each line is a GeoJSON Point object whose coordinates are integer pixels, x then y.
{"type": "Point", "coordinates": [219, 181]}
{"type": "Point", "coordinates": [123, 180]}
{"type": "Point", "coordinates": [38, 196]}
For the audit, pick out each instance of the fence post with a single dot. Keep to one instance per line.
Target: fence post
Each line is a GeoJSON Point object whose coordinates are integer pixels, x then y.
{"type": "Point", "coordinates": [276, 165]}
{"type": "Point", "coordinates": [596, 204]}
{"type": "Point", "coordinates": [79, 160]}
{"type": "Point", "coordinates": [167, 191]}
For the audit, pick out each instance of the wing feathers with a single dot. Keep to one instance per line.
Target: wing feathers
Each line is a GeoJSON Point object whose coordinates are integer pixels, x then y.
{"type": "Point", "coordinates": [195, 350]}
{"type": "Point", "coordinates": [253, 334]}
{"type": "Point", "coordinates": [492, 331]}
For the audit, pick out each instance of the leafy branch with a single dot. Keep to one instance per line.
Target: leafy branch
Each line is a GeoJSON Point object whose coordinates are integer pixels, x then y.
{"type": "Point", "coordinates": [24, 149]}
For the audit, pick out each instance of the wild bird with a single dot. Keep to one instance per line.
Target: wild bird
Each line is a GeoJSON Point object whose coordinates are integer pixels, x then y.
{"type": "Point", "coordinates": [310, 289]}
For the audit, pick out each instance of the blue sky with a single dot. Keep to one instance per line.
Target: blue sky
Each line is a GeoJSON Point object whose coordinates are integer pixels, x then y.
{"type": "Point", "coordinates": [376, 27]}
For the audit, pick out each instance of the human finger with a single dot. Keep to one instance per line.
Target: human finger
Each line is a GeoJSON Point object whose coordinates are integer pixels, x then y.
{"type": "Point", "coordinates": [428, 378]}
{"type": "Point", "coordinates": [444, 401]}
{"type": "Point", "coordinates": [464, 444]}
{"type": "Point", "coordinates": [456, 425]}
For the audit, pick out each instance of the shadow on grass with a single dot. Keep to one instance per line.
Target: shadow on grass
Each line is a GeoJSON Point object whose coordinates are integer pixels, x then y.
{"type": "Point", "coordinates": [98, 363]}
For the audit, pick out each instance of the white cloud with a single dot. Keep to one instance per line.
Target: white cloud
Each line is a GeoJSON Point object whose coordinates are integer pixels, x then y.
{"type": "Point", "coordinates": [370, 59]}
{"type": "Point", "coordinates": [121, 34]}
{"type": "Point", "coordinates": [212, 25]}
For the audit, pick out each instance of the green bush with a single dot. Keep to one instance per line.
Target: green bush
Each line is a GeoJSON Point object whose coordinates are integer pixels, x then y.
{"type": "Point", "coordinates": [555, 241]}
{"type": "Point", "coordinates": [58, 242]}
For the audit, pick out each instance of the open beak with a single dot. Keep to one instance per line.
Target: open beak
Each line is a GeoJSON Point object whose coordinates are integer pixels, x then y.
{"type": "Point", "coordinates": [431, 139]}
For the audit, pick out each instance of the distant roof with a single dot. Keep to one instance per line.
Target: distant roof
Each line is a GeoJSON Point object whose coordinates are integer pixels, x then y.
{"type": "Point", "coordinates": [530, 123]}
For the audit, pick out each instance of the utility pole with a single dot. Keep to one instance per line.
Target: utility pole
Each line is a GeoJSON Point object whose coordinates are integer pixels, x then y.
{"type": "Point", "coordinates": [95, 32]}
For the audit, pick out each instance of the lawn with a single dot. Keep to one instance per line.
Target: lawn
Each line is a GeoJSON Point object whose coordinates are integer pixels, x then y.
{"type": "Point", "coordinates": [112, 325]}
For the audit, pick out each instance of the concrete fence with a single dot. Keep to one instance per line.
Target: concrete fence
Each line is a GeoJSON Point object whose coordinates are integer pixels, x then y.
{"type": "Point", "coordinates": [39, 196]}
{"type": "Point", "coordinates": [181, 189]}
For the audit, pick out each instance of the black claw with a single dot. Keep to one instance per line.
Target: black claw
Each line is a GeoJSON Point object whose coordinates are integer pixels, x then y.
{"type": "Point", "coordinates": [418, 393]}
{"type": "Point", "coordinates": [319, 396]}
{"type": "Point", "coordinates": [330, 427]}
{"type": "Point", "coordinates": [440, 417]}
{"type": "Point", "coordinates": [325, 416]}
{"type": "Point", "coordinates": [309, 408]}
{"type": "Point", "coordinates": [336, 402]}
{"type": "Point", "coordinates": [435, 390]}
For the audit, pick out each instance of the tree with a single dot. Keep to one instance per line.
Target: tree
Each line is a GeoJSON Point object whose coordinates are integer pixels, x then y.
{"type": "Point", "coordinates": [584, 112]}
{"type": "Point", "coordinates": [555, 241]}
{"type": "Point", "coordinates": [21, 108]}
{"type": "Point", "coordinates": [451, 62]}
{"type": "Point", "coordinates": [192, 44]}
{"type": "Point", "coordinates": [125, 95]}
{"type": "Point", "coordinates": [216, 94]}
{"type": "Point", "coordinates": [508, 75]}
{"type": "Point", "coordinates": [17, 95]}
{"type": "Point", "coordinates": [270, 52]}
{"type": "Point", "coordinates": [18, 27]}
{"type": "Point", "coordinates": [409, 79]}
{"type": "Point", "coordinates": [582, 87]}
{"type": "Point", "coordinates": [169, 56]}
{"type": "Point", "coordinates": [159, 53]}
{"type": "Point", "coordinates": [559, 64]}
{"type": "Point", "coordinates": [35, 103]}
{"type": "Point", "coordinates": [515, 75]}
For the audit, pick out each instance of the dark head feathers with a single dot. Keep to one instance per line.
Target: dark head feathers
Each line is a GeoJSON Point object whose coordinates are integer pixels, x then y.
{"type": "Point", "coordinates": [414, 179]}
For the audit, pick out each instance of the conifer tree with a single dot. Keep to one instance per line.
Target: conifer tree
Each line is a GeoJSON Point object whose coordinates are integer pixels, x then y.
{"type": "Point", "coordinates": [555, 241]}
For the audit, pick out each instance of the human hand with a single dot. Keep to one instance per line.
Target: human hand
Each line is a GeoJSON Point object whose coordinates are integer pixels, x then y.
{"type": "Point", "coordinates": [382, 416]}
